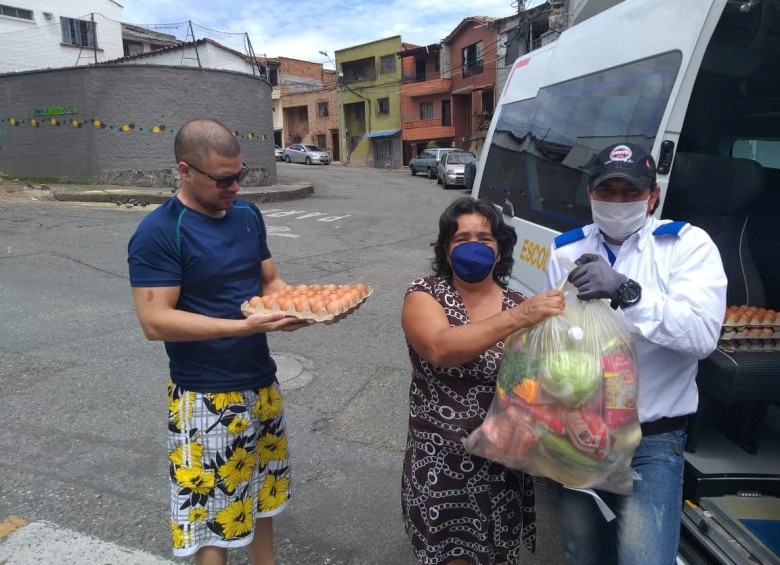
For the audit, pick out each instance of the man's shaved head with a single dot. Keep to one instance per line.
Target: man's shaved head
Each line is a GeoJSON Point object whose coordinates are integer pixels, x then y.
{"type": "Point", "coordinates": [199, 137]}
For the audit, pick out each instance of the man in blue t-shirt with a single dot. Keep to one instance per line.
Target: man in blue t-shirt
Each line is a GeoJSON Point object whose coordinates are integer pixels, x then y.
{"type": "Point", "coordinates": [193, 262]}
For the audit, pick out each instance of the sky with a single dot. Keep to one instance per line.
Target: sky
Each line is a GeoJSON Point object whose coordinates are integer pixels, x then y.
{"type": "Point", "coordinates": [300, 29]}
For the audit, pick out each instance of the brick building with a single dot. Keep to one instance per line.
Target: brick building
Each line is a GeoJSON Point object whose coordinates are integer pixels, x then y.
{"type": "Point", "coordinates": [309, 103]}
{"type": "Point", "coordinates": [473, 70]}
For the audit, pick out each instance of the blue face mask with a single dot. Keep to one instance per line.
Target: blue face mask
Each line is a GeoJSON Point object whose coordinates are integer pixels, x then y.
{"type": "Point", "coordinates": [472, 261]}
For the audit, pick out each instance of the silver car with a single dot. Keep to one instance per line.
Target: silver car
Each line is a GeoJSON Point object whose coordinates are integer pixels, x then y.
{"type": "Point", "coordinates": [306, 154]}
{"type": "Point", "coordinates": [278, 153]}
{"type": "Point", "coordinates": [451, 168]}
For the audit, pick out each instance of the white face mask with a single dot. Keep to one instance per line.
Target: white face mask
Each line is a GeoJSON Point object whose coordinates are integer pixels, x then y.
{"type": "Point", "coordinates": [619, 220]}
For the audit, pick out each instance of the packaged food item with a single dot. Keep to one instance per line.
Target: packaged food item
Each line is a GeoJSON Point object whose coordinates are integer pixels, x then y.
{"type": "Point", "coordinates": [567, 388]}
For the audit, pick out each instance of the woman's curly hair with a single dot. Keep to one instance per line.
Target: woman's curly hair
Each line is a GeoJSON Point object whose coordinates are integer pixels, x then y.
{"type": "Point", "coordinates": [448, 225]}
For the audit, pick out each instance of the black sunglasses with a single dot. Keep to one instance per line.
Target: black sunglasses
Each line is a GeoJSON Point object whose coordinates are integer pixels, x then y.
{"type": "Point", "coordinates": [226, 181]}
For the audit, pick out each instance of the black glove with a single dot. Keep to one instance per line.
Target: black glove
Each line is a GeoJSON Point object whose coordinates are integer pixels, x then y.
{"type": "Point", "coordinates": [594, 278]}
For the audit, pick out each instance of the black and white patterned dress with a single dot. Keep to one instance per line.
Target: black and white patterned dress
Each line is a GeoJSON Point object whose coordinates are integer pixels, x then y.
{"type": "Point", "coordinates": [456, 505]}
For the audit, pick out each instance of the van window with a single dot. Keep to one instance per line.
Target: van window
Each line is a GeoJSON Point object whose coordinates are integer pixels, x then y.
{"type": "Point", "coordinates": [542, 147]}
{"type": "Point", "coordinates": [765, 151]}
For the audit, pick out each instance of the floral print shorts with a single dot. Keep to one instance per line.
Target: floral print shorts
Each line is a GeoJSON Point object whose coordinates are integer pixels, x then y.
{"type": "Point", "coordinates": [228, 465]}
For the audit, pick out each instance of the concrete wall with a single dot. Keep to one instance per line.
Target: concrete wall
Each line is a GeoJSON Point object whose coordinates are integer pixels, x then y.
{"type": "Point", "coordinates": [124, 118]}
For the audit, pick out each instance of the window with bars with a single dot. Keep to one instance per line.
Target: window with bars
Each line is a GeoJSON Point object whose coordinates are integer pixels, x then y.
{"type": "Point", "coordinates": [79, 32]}
{"type": "Point", "coordinates": [322, 109]}
{"type": "Point", "coordinates": [12, 12]}
{"type": "Point", "coordinates": [471, 60]}
{"type": "Point", "coordinates": [383, 106]}
{"type": "Point", "coordinates": [426, 110]}
{"type": "Point", "coordinates": [321, 140]}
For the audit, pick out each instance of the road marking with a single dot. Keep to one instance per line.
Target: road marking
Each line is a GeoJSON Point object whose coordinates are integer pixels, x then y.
{"type": "Point", "coordinates": [10, 525]}
{"type": "Point", "coordinates": [44, 542]}
{"type": "Point", "coordinates": [301, 215]}
{"type": "Point", "coordinates": [280, 231]}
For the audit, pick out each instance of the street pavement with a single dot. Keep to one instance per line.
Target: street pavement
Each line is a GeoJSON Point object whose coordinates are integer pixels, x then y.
{"type": "Point", "coordinates": [85, 459]}
{"type": "Point", "coordinates": [141, 196]}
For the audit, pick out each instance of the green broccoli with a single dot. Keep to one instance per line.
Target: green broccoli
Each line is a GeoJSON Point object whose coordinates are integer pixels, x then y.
{"type": "Point", "coordinates": [516, 366]}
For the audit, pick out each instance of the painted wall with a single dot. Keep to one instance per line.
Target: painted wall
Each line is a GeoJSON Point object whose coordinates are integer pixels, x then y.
{"type": "Point", "coordinates": [120, 118]}
{"type": "Point", "coordinates": [38, 44]}
{"type": "Point", "coordinates": [386, 85]}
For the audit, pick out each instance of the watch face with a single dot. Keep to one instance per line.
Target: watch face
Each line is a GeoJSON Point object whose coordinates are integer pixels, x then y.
{"type": "Point", "coordinates": [630, 292]}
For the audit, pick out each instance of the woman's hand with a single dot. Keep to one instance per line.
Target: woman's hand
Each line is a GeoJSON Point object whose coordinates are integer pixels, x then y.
{"type": "Point", "coordinates": [539, 307]}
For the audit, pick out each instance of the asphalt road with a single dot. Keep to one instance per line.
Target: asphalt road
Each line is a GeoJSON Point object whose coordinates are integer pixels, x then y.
{"type": "Point", "coordinates": [82, 425]}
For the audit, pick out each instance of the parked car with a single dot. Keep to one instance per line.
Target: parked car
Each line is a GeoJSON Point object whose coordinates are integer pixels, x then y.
{"type": "Point", "coordinates": [278, 153]}
{"type": "Point", "coordinates": [426, 161]}
{"type": "Point", "coordinates": [306, 154]}
{"type": "Point", "coordinates": [451, 168]}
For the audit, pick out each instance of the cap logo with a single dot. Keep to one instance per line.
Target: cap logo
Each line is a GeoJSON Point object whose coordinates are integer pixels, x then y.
{"type": "Point", "coordinates": [620, 153]}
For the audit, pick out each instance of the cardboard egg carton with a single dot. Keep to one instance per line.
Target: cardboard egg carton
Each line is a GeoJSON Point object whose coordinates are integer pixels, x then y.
{"type": "Point", "coordinates": [740, 317]}
{"type": "Point", "coordinates": [327, 314]}
{"type": "Point", "coordinates": [750, 332]}
{"type": "Point", "coordinates": [752, 345]}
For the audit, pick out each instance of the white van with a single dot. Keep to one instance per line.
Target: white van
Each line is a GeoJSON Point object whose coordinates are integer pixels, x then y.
{"type": "Point", "coordinates": [697, 83]}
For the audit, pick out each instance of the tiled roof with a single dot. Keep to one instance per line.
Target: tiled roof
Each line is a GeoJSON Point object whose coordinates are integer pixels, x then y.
{"type": "Point", "coordinates": [178, 47]}
{"type": "Point", "coordinates": [476, 20]}
{"type": "Point", "coordinates": [133, 32]}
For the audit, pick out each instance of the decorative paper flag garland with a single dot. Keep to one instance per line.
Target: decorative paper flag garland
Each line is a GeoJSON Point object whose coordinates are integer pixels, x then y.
{"type": "Point", "coordinates": [124, 128]}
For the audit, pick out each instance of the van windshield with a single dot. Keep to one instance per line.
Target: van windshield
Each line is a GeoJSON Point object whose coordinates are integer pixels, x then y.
{"type": "Point", "coordinates": [542, 147]}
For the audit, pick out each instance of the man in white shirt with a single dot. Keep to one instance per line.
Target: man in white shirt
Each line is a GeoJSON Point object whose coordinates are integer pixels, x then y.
{"type": "Point", "coordinates": [667, 280]}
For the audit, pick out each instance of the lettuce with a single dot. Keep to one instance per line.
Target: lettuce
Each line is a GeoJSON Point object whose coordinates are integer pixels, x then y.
{"type": "Point", "coordinates": [570, 376]}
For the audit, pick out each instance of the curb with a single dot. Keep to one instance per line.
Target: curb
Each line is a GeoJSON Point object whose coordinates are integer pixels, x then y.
{"type": "Point", "coordinates": [273, 193]}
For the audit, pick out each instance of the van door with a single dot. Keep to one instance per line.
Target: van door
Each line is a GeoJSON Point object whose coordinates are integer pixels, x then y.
{"type": "Point", "coordinates": [623, 75]}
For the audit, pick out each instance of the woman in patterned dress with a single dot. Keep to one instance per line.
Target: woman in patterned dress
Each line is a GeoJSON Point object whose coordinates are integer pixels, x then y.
{"type": "Point", "coordinates": [459, 509]}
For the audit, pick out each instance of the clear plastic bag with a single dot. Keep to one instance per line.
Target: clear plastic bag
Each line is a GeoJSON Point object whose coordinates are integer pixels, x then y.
{"type": "Point", "coordinates": [565, 403]}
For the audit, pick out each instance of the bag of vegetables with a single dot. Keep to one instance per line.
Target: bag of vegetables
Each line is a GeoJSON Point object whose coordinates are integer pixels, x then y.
{"type": "Point", "coordinates": [565, 401]}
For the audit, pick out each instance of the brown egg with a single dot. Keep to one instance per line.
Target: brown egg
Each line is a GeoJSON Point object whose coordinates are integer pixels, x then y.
{"type": "Point", "coordinates": [254, 301]}
{"type": "Point", "coordinates": [317, 305]}
{"type": "Point", "coordinates": [333, 307]}
{"type": "Point", "coordinates": [301, 304]}
{"type": "Point", "coordinates": [315, 287]}
{"type": "Point", "coordinates": [270, 300]}
{"type": "Point", "coordinates": [329, 288]}
{"type": "Point", "coordinates": [361, 288]}
{"type": "Point", "coordinates": [285, 302]}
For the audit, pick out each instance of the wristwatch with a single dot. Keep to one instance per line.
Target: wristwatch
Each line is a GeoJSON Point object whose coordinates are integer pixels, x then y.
{"type": "Point", "coordinates": [627, 294]}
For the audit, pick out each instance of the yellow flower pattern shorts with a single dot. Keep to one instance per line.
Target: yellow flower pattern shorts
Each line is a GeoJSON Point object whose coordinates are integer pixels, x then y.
{"type": "Point", "coordinates": [228, 463]}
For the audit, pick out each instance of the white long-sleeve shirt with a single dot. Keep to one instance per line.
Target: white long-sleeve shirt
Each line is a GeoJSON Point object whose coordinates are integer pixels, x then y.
{"type": "Point", "coordinates": [679, 317]}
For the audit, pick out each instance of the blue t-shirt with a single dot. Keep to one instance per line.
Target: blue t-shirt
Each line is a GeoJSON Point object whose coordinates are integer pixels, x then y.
{"type": "Point", "coordinates": [216, 263]}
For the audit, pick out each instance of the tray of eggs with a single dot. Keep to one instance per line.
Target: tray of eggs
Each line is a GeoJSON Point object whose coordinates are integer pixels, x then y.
{"type": "Point", "coordinates": [750, 328]}
{"type": "Point", "coordinates": [326, 303]}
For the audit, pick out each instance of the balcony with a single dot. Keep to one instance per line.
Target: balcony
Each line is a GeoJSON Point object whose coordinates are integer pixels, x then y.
{"type": "Point", "coordinates": [429, 123]}
{"type": "Point", "coordinates": [429, 87]}
{"type": "Point", "coordinates": [471, 68]}
{"type": "Point", "coordinates": [421, 77]}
